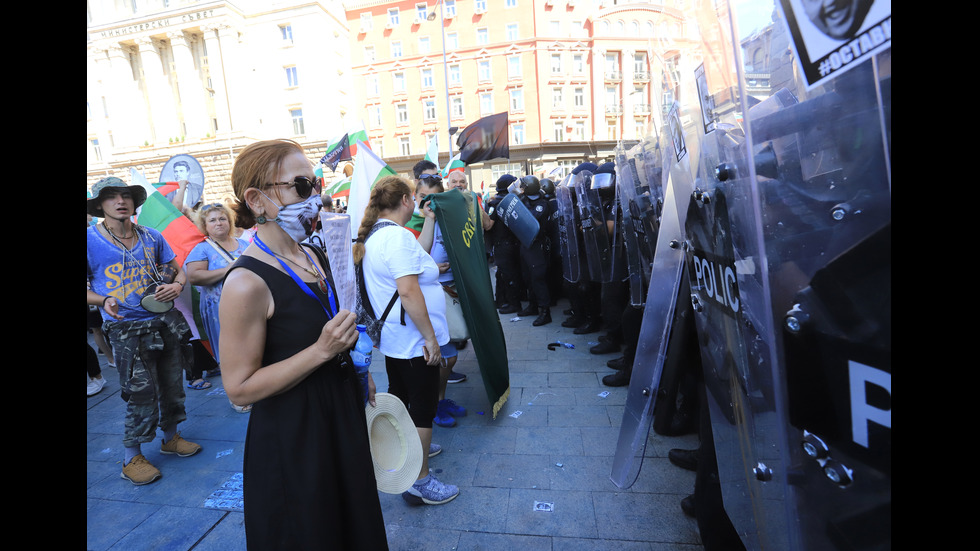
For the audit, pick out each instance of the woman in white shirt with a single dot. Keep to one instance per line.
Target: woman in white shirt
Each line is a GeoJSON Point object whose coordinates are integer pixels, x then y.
{"type": "Point", "coordinates": [392, 260]}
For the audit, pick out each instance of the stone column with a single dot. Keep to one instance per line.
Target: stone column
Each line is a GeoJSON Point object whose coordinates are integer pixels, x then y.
{"type": "Point", "coordinates": [627, 120]}
{"type": "Point", "coordinates": [128, 117]}
{"type": "Point", "coordinates": [237, 74]}
{"type": "Point", "coordinates": [216, 71]}
{"type": "Point", "coordinates": [192, 106]}
{"type": "Point", "coordinates": [163, 114]}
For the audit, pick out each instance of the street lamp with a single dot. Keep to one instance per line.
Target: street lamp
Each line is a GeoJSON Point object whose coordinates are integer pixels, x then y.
{"type": "Point", "coordinates": [445, 70]}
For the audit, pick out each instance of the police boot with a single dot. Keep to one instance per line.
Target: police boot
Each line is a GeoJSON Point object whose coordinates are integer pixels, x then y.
{"type": "Point", "coordinates": [591, 325]}
{"type": "Point", "coordinates": [529, 311]}
{"type": "Point", "coordinates": [619, 378]}
{"type": "Point", "coordinates": [543, 318]}
{"type": "Point", "coordinates": [510, 308]}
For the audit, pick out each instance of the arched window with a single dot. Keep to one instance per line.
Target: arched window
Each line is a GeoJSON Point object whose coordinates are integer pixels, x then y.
{"type": "Point", "coordinates": [634, 28]}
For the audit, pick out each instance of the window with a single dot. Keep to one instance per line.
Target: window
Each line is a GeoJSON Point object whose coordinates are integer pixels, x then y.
{"type": "Point", "coordinates": [517, 134]}
{"type": "Point", "coordinates": [578, 64]}
{"type": "Point", "coordinates": [366, 22]}
{"type": "Point", "coordinates": [401, 113]}
{"type": "Point", "coordinates": [455, 76]}
{"type": "Point", "coordinates": [559, 131]}
{"type": "Point", "coordinates": [554, 27]}
{"type": "Point", "coordinates": [427, 79]}
{"type": "Point", "coordinates": [457, 106]}
{"type": "Point", "coordinates": [612, 96]}
{"type": "Point", "coordinates": [612, 62]}
{"type": "Point", "coordinates": [517, 100]}
{"type": "Point", "coordinates": [578, 30]}
{"type": "Point", "coordinates": [511, 3]}
{"type": "Point", "coordinates": [486, 103]}
{"type": "Point", "coordinates": [373, 86]}
{"type": "Point", "coordinates": [578, 98]}
{"type": "Point", "coordinates": [404, 145]}
{"type": "Point", "coordinates": [557, 99]}
{"type": "Point", "coordinates": [396, 49]}
{"type": "Point", "coordinates": [480, 6]}
{"type": "Point", "coordinates": [421, 11]}
{"type": "Point", "coordinates": [291, 77]}
{"type": "Point", "coordinates": [580, 131]}
{"type": "Point", "coordinates": [287, 33]}
{"type": "Point", "coordinates": [514, 67]}
{"type": "Point", "coordinates": [483, 70]}
{"type": "Point", "coordinates": [398, 82]}
{"type": "Point", "coordinates": [96, 150]}
{"type": "Point", "coordinates": [450, 8]}
{"type": "Point", "coordinates": [429, 110]}
{"type": "Point", "coordinates": [555, 64]}
{"type": "Point", "coordinates": [452, 41]}
{"type": "Point", "coordinates": [634, 28]}
{"type": "Point", "coordinates": [393, 17]}
{"type": "Point", "coordinates": [424, 47]}
{"type": "Point", "coordinates": [369, 56]}
{"type": "Point", "coordinates": [612, 130]}
{"type": "Point", "coordinates": [297, 116]}
{"type": "Point", "coordinates": [641, 128]}
{"type": "Point", "coordinates": [482, 36]}
{"type": "Point", "coordinates": [374, 116]}
{"type": "Point", "coordinates": [512, 32]}
{"type": "Point", "coordinates": [640, 63]}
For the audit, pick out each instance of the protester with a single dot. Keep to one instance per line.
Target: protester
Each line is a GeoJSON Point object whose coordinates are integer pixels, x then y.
{"type": "Point", "coordinates": [308, 474]}
{"type": "Point", "coordinates": [412, 335]}
{"type": "Point", "coordinates": [124, 261]}
{"type": "Point", "coordinates": [206, 266]}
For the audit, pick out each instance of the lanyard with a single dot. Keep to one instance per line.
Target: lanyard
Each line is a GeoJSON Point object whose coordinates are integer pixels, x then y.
{"type": "Point", "coordinates": [306, 288]}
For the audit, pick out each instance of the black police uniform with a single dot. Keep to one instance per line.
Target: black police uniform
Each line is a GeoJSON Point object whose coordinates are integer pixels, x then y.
{"type": "Point", "coordinates": [506, 255]}
{"type": "Point", "coordinates": [536, 259]}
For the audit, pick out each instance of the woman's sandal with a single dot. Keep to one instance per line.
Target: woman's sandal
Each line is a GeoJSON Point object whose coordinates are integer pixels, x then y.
{"type": "Point", "coordinates": [240, 409]}
{"type": "Point", "coordinates": [199, 386]}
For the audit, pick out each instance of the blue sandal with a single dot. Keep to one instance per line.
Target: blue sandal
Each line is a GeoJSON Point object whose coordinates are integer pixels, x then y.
{"type": "Point", "coordinates": [199, 386]}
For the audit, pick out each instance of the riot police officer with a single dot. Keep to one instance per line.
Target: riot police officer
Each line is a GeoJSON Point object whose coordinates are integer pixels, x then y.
{"type": "Point", "coordinates": [536, 257]}
{"type": "Point", "coordinates": [554, 264]}
{"type": "Point", "coordinates": [506, 250]}
{"type": "Point", "coordinates": [584, 295]}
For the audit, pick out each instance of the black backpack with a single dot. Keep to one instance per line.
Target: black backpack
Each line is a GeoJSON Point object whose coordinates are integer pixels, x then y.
{"type": "Point", "coordinates": [365, 313]}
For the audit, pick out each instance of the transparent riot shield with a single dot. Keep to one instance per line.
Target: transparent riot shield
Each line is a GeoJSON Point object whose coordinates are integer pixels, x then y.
{"type": "Point", "coordinates": [334, 238]}
{"type": "Point", "coordinates": [626, 182]}
{"type": "Point", "coordinates": [595, 235]}
{"type": "Point", "coordinates": [568, 232]}
{"type": "Point", "coordinates": [667, 272]}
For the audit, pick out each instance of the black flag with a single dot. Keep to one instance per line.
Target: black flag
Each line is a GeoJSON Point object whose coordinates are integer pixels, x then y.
{"type": "Point", "coordinates": [484, 139]}
{"type": "Point", "coordinates": [339, 152]}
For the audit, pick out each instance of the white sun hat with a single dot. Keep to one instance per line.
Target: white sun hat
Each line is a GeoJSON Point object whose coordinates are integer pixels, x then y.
{"type": "Point", "coordinates": [395, 446]}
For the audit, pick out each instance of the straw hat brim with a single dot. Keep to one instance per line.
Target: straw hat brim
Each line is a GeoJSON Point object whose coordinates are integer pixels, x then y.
{"type": "Point", "coordinates": [396, 449]}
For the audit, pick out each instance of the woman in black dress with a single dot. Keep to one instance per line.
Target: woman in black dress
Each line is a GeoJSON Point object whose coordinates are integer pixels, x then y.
{"type": "Point", "coordinates": [308, 476]}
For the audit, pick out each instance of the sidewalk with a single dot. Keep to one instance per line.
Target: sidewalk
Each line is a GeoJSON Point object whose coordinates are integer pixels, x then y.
{"type": "Point", "coordinates": [552, 444]}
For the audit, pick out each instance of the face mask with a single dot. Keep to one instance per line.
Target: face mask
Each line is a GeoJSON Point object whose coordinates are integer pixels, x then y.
{"type": "Point", "coordinates": [299, 219]}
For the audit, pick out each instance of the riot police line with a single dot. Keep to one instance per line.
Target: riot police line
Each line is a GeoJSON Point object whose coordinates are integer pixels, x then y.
{"type": "Point", "coordinates": [760, 268]}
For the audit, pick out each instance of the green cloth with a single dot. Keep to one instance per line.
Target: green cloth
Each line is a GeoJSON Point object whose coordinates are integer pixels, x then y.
{"type": "Point", "coordinates": [461, 223]}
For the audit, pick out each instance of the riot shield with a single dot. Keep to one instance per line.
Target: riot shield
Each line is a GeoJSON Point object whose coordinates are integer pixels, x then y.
{"type": "Point", "coordinates": [568, 232]}
{"type": "Point", "coordinates": [595, 235]}
{"type": "Point", "coordinates": [334, 238]}
{"type": "Point", "coordinates": [666, 274]}
{"type": "Point", "coordinates": [640, 197]}
{"type": "Point", "coordinates": [516, 217]}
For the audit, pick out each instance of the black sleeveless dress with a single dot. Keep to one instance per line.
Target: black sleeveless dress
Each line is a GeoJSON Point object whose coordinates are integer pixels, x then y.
{"type": "Point", "coordinates": [308, 477]}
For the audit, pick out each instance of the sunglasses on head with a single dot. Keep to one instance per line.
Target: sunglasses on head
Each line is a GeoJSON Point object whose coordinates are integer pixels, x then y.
{"type": "Point", "coordinates": [304, 185]}
{"type": "Point", "coordinates": [432, 177]}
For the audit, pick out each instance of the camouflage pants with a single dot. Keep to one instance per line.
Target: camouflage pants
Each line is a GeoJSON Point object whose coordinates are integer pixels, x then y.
{"type": "Point", "coordinates": [150, 362]}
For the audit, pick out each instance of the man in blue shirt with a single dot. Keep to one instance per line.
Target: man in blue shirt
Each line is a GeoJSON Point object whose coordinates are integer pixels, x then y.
{"type": "Point", "coordinates": [126, 263]}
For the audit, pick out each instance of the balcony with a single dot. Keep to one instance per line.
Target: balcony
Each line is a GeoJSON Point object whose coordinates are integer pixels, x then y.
{"type": "Point", "coordinates": [640, 76]}
{"type": "Point", "coordinates": [614, 110]}
{"type": "Point", "coordinates": [641, 109]}
{"type": "Point", "coordinates": [614, 76]}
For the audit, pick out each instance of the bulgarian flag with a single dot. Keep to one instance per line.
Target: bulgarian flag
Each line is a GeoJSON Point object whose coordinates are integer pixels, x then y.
{"type": "Point", "coordinates": [358, 136]}
{"type": "Point", "coordinates": [160, 214]}
{"type": "Point", "coordinates": [368, 169]}
{"type": "Point", "coordinates": [432, 154]}
{"type": "Point", "coordinates": [340, 188]}
{"type": "Point", "coordinates": [453, 165]}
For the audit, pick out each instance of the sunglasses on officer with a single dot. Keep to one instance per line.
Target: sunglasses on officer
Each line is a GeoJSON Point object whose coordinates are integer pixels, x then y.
{"type": "Point", "coordinates": [304, 185]}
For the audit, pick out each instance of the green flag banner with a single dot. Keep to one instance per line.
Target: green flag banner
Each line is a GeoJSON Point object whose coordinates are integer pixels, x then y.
{"type": "Point", "coordinates": [460, 221]}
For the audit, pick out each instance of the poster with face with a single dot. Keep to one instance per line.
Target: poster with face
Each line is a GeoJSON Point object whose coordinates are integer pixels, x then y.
{"type": "Point", "coordinates": [185, 167]}
{"type": "Point", "coordinates": [831, 36]}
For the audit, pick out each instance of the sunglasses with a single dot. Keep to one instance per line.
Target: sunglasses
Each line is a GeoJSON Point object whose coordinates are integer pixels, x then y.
{"type": "Point", "coordinates": [304, 185]}
{"type": "Point", "coordinates": [431, 177]}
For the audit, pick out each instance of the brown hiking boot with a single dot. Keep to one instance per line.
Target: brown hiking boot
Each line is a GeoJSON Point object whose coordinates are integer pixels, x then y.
{"type": "Point", "coordinates": [179, 446]}
{"type": "Point", "coordinates": [140, 471]}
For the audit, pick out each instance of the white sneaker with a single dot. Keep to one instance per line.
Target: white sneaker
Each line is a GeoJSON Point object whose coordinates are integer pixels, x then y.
{"type": "Point", "coordinates": [95, 385]}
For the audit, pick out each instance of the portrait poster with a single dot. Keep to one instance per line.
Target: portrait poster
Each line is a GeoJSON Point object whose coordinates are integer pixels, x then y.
{"type": "Point", "coordinates": [705, 99]}
{"type": "Point", "coordinates": [185, 167]}
{"type": "Point", "coordinates": [831, 37]}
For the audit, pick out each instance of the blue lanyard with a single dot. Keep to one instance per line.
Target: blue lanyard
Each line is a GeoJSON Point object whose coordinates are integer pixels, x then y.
{"type": "Point", "coordinates": [302, 284]}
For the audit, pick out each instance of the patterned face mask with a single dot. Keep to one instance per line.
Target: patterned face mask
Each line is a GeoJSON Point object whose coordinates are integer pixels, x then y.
{"type": "Point", "coordinates": [299, 219]}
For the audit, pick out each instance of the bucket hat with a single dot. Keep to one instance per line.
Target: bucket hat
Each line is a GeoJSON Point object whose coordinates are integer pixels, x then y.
{"type": "Point", "coordinates": [95, 202]}
{"type": "Point", "coordinates": [396, 449]}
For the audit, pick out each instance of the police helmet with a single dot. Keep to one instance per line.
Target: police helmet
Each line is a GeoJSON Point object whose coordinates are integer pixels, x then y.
{"type": "Point", "coordinates": [591, 167]}
{"type": "Point", "coordinates": [504, 181]}
{"type": "Point", "coordinates": [548, 187]}
{"type": "Point", "coordinates": [604, 179]}
{"type": "Point", "coordinates": [531, 185]}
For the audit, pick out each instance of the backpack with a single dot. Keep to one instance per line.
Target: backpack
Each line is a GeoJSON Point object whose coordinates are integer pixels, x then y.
{"type": "Point", "coordinates": [363, 309]}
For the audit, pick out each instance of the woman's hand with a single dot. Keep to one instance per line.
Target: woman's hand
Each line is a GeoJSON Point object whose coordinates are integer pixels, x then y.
{"type": "Point", "coordinates": [372, 390]}
{"type": "Point", "coordinates": [432, 352]}
{"type": "Point", "coordinates": [443, 267]}
{"type": "Point", "coordinates": [338, 335]}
